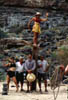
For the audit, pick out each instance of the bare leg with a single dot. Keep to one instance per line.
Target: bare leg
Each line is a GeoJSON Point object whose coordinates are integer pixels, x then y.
{"type": "Point", "coordinates": [27, 86]}
{"type": "Point", "coordinates": [35, 38]}
{"type": "Point", "coordinates": [45, 83]}
{"type": "Point", "coordinates": [30, 86]}
{"type": "Point", "coordinates": [15, 81]}
{"type": "Point", "coordinates": [39, 85]}
{"type": "Point", "coordinates": [21, 85]}
{"type": "Point", "coordinates": [8, 81]}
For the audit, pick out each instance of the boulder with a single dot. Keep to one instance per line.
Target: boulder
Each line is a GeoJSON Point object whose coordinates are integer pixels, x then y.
{"type": "Point", "coordinates": [36, 3]}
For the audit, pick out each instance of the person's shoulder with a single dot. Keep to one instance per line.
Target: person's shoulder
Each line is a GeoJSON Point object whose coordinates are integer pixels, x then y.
{"type": "Point", "coordinates": [26, 60]}
{"type": "Point", "coordinates": [34, 18]}
{"type": "Point", "coordinates": [39, 61]}
{"type": "Point", "coordinates": [17, 62]}
{"type": "Point", "coordinates": [44, 61]}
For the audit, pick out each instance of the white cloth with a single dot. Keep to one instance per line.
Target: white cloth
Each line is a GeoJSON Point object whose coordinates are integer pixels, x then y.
{"type": "Point", "coordinates": [19, 67]}
{"type": "Point", "coordinates": [43, 65]}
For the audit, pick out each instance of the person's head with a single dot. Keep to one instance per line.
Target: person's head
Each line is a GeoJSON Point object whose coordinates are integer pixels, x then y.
{"type": "Point", "coordinates": [30, 56]}
{"type": "Point", "coordinates": [38, 14]}
{"type": "Point", "coordinates": [21, 59]}
{"type": "Point", "coordinates": [41, 57]}
{"type": "Point", "coordinates": [12, 59]}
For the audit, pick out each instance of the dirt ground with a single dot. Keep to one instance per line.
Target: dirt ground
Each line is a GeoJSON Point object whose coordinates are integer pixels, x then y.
{"type": "Point", "coordinates": [12, 95]}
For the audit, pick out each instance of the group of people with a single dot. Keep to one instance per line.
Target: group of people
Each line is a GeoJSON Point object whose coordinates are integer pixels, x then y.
{"type": "Point", "coordinates": [15, 70]}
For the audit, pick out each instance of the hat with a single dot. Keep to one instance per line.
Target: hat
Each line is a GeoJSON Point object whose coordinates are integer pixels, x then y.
{"type": "Point", "coordinates": [20, 57]}
{"type": "Point", "coordinates": [31, 77]}
{"type": "Point", "coordinates": [38, 13]}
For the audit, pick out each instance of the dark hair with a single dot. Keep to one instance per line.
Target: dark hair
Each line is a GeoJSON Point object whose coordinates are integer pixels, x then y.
{"type": "Point", "coordinates": [12, 58]}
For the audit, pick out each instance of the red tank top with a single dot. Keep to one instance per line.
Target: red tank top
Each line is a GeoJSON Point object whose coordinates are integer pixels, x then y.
{"type": "Point", "coordinates": [37, 20]}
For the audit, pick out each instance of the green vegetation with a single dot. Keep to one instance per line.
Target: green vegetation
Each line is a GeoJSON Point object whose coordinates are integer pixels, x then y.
{"type": "Point", "coordinates": [61, 55]}
{"type": "Point", "coordinates": [3, 34]}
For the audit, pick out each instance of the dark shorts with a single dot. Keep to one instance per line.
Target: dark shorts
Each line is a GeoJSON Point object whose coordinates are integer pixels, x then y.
{"type": "Point", "coordinates": [19, 77]}
{"type": "Point", "coordinates": [11, 74]}
{"type": "Point", "coordinates": [42, 76]}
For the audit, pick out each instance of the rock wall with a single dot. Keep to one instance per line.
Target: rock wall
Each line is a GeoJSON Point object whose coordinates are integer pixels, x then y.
{"type": "Point", "coordinates": [36, 3]}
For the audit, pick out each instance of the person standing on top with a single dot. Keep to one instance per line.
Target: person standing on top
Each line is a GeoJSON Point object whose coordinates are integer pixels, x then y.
{"type": "Point", "coordinates": [36, 27]}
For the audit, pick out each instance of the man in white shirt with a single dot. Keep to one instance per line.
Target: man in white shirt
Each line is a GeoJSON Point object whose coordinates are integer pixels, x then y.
{"type": "Point", "coordinates": [30, 66]}
{"type": "Point", "coordinates": [42, 69]}
{"type": "Point", "coordinates": [19, 72]}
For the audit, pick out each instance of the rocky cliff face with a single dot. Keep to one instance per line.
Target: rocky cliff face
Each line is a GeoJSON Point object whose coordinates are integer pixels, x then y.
{"type": "Point", "coordinates": [36, 3]}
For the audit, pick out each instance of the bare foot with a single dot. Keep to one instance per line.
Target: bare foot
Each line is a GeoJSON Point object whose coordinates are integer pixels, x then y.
{"type": "Point", "coordinates": [17, 90]}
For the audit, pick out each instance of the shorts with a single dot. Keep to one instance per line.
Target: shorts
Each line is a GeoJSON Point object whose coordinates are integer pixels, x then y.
{"type": "Point", "coordinates": [42, 76]}
{"type": "Point", "coordinates": [19, 77]}
{"type": "Point", "coordinates": [11, 74]}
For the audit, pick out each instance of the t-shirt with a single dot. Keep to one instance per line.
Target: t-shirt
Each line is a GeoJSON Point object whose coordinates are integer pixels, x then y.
{"type": "Point", "coordinates": [43, 64]}
{"type": "Point", "coordinates": [12, 65]}
{"type": "Point", "coordinates": [19, 67]}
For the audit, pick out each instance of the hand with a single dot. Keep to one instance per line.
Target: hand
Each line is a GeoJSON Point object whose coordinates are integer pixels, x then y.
{"type": "Point", "coordinates": [40, 65]}
{"type": "Point", "coordinates": [47, 14]}
{"type": "Point", "coordinates": [29, 71]}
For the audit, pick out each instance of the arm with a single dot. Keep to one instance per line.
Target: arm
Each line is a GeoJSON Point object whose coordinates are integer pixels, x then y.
{"type": "Point", "coordinates": [30, 22]}
{"type": "Point", "coordinates": [34, 66]}
{"type": "Point", "coordinates": [45, 19]}
{"type": "Point", "coordinates": [7, 65]}
{"type": "Point", "coordinates": [46, 66]}
{"type": "Point", "coordinates": [25, 65]}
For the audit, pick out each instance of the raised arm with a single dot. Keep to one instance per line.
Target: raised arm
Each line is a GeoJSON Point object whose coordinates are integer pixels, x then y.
{"type": "Point", "coordinates": [45, 19]}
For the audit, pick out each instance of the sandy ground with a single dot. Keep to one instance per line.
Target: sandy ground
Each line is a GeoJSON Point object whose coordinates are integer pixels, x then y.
{"type": "Point", "coordinates": [12, 95]}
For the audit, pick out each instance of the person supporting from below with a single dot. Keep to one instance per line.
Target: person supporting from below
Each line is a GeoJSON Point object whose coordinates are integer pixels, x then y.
{"type": "Point", "coordinates": [30, 66]}
{"type": "Point", "coordinates": [11, 72]}
{"type": "Point", "coordinates": [36, 27]}
{"type": "Point", "coordinates": [42, 69]}
{"type": "Point", "coordinates": [19, 72]}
